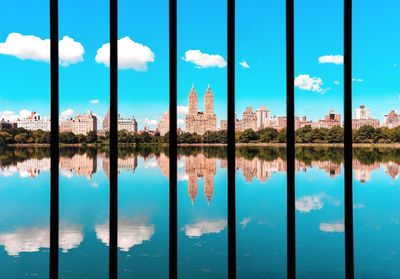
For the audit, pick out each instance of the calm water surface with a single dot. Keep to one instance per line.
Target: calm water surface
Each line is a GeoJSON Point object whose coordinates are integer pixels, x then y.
{"type": "Point", "coordinates": [202, 212]}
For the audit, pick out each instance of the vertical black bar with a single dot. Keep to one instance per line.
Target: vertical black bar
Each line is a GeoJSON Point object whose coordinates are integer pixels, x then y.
{"type": "Point", "coordinates": [290, 141]}
{"type": "Point", "coordinates": [173, 207]}
{"type": "Point", "coordinates": [231, 143]}
{"type": "Point", "coordinates": [348, 150]}
{"type": "Point", "coordinates": [54, 141]}
{"type": "Point", "coordinates": [113, 256]}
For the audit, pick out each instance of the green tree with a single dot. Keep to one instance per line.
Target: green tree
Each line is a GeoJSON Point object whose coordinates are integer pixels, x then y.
{"type": "Point", "coordinates": [268, 135]}
{"type": "Point", "coordinates": [282, 136]}
{"type": "Point", "coordinates": [366, 134]}
{"type": "Point", "coordinates": [249, 135]}
{"type": "Point", "coordinates": [91, 137]}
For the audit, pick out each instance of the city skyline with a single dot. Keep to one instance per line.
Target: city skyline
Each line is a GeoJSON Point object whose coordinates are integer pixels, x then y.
{"type": "Point", "coordinates": [261, 118]}
{"type": "Point", "coordinates": [143, 77]}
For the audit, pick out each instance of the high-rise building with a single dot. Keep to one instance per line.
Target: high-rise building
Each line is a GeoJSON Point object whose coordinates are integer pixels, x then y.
{"type": "Point", "coordinates": [249, 120]}
{"type": "Point", "coordinates": [263, 115]}
{"type": "Point", "coordinates": [163, 125]}
{"type": "Point", "coordinates": [127, 124]}
{"type": "Point", "coordinates": [363, 118]}
{"type": "Point", "coordinates": [34, 122]}
{"type": "Point", "coordinates": [362, 113]}
{"type": "Point", "coordinates": [197, 121]}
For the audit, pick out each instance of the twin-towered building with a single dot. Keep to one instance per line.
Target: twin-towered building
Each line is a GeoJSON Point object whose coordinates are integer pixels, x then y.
{"type": "Point", "coordinates": [200, 122]}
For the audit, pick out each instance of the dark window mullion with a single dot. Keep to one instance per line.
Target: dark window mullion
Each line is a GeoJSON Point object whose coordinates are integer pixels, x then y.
{"type": "Point", "coordinates": [231, 142]}
{"type": "Point", "coordinates": [348, 151]}
{"type": "Point", "coordinates": [54, 141]}
{"type": "Point", "coordinates": [113, 255]}
{"type": "Point", "coordinates": [173, 207]}
{"type": "Point", "coordinates": [290, 141]}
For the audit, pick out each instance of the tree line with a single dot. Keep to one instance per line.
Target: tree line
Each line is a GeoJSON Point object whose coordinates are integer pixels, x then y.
{"type": "Point", "coordinates": [307, 134]}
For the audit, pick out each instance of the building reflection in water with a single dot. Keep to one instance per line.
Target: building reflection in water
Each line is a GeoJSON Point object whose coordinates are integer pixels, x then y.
{"type": "Point", "coordinates": [195, 167]}
{"type": "Point", "coordinates": [191, 168]}
{"type": "Point", "coordinates": [78, 165]}
{"type": "Point", "coordinates": [199, 166]}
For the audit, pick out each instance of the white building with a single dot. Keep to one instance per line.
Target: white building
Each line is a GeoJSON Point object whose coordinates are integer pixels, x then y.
{"type": "Point", "coordinates": [362, 113]}
{"type": "Point", "coordinates": [263, 117]}
{"type": "Point", "coordinates": [34, 122]}
{"type": "Point", "coordinates": [81, 124]}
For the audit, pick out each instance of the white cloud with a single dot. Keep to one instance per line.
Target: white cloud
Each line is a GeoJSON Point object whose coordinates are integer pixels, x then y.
{"type": "Point", "coordinates": [244, 64]}
{"type": "Point", "coordinates": [26, 47]}
{"type": "Point", "coordinates": [183, 109]}
{"type": "Point", "coordinates": [150, 122]}
{"type": "Point", "coordinates": [70, 51]}
{"type": "Point", "coordinates": [308, 203]}
{"type": "Point", "coordinates": [131, 232]}
{"type": "Point", "coordinates": [67, 113]}
{"type": "Point", "coordinates": [337, 227]}
{"type": "Point", "coordinates": [332, 59]}
{"type": "Point", "coordinates": [204, 60]}
{"type": "Point", "coordinates": [181, 121]}
{"type": "Point", "coordinates": [30, 47]}
{"type": "Point", "coordinates": [306, 82]}
{"type": "Point", "coordinates": [336, 82]}
{"type": "Point", "coordinates": [8, 115]}
{"type": "Point", "coordinates": [95, 101]}
{"type": "Point", "coordinates": [131, 55]}
{"type": "Point", "coordinates": [245, 222]}
{"type": "Point", "coordinates": [357, 79]}
{"type": "Point", "coordinates": [204, 227]}
{"type": "Point", "coordinates": [24, 113]}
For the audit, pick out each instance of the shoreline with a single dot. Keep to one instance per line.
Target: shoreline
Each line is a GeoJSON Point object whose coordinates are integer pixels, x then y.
{"type": "Point", "coordinates": [91, 145]}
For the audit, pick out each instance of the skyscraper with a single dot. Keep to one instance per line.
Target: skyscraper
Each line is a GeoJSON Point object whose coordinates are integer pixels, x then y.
{"type": "Point", "coordinates": [197, 121]}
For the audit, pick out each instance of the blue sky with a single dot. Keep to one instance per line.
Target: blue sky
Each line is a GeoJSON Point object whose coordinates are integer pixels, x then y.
{"type": "Point", "coordinates": [260, 43]}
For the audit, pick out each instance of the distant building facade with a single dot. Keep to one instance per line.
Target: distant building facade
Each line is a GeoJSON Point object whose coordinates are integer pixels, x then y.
{"type": "Point", "coordinates": [392, 120]}
{"type": "Point", "coordinates": [7, 125]}
{"type": "Point", "coordinates": [198, 121]}
{"type": "Point", "coordinates": [34, 122]}
{"type": "Point", "coordinates": [248, 121]}
{"type": "Point", "coordinates": [223, 125]}
{"type": "Point", "coordinates": [362, 113]}
{"type": "Point", "coordinates": [263, 116]}
{"type": "Point", "coordinates": [81, 124]}
{"type": "Point", "coordinates": [358, 123]}
{"type": "Point", "coordinates": [163, 125]}
{"type": "Point", "coordinates": [363, 117]}
{"type": "Point", "coordinates": [331, 120]}
{"type": "Point", "coordinates": [128, 124]}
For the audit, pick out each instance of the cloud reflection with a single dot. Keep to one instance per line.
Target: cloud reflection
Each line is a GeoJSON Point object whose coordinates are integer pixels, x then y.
{"type": "Point", "coordinates": [131, 232]}
{"type": "Point", "coordinates": [204, 227]}
{"type": "Point", "coordinates": [337, 227]}
{"type": "Point", "coordinates": [31, 240]}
